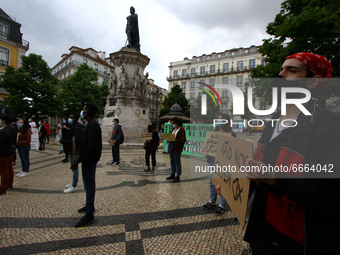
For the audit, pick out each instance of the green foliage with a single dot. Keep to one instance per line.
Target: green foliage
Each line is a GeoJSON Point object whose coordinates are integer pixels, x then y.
{"type": "Point", "coordinates": [32, 88]}
{"type": "Point", "coordinates": [81, 88]}
{"type": "Point", "coordinates": [176, 95]}
{"type": "Point", "coordinates": [302, 26]}
{"type": "Point", "coordinates": [212, 110]}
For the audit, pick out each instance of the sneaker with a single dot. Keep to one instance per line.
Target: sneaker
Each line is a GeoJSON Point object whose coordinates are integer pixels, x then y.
{"type": "Point", "coordinates": [70, 189]}
{"type": "Point", "coordinates": [147, 169]}
{"type": "Point", "coordinates": [83, 210]}
{"type": "Point", "coordinates": [176, 179]}
{"type": "Point", "coordinates": [23, 174]}
{"type": "Point", "coordinates": [17, 175]}
{"type": "Point", "coordinates": [171, 177]}
{"type": "Point", "coordinates": [84, 221]}
{"type": "Point", "coordinates": [115, 163]}
{"type": "Point", "coordinates": [68, 185]}
{"type": "Point", "coordinates": [109, 163]}
{"type": "Point", "coordinates": [209, 205]}
{"type": "Point", "coordinates": [220, 210]}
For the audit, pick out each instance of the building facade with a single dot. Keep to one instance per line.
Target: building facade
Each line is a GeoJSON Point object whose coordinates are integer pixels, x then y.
{"type": "Point", "coordinates": [12, 47]}
{"type": "Point", "coordinates": [156, 96]}
{"type": "Point", "coordinates": [229, 67]}
{"type": "Point", "coordinates": [77, 56]}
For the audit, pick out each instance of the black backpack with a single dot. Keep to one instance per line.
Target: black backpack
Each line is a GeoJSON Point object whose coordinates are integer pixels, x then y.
{"type": "Point", "coordinates": [122, 138]}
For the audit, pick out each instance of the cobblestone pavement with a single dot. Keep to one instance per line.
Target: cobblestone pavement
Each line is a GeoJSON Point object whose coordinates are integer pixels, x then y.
{"type": "Point", "coordinates": [136, 212]}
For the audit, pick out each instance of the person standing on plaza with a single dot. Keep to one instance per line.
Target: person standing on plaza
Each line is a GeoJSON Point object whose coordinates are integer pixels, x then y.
{"type": "Point", "coordinates": [42, 134]}
{"type": "Point", "coordinates": [64, 131]}
{"type": "Point", "coordinates": [287, 215]}
{"type": "Point", "coordinates": [32, 123]}
{"type": "Point", "coordinates": [7, 151]}
{"type": "Point", "coordinates": [73, 138]}
{"type": "Point", "coordinates": [221, 209]}
{"type": "Point", "coordinates": [151, 148]}
{"type": "Point", "coordinates": [90, 152]}
{"type": "Point", "coordinates": [48, 131]}
{"type": "Point", "coordinates": [117, 138]}
{"type": "Point", "coordinates": [24, 146]}
{"type": "Point", "coordinates": [176, 148]}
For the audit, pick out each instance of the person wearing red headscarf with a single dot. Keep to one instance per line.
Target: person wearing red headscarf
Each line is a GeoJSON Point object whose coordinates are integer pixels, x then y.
{"type": "Point", "coordinates": [296, 211]}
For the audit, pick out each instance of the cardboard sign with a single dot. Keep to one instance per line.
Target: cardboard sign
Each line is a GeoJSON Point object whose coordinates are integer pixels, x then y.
{"type": "Point", "coordinates": [170, 137]}
{"type": "Point", "coordinates": [146, 136]}
{"type": "Point", "coordinates": [231, 154]}
{"type": "Point", "coordinates": [35, 139]}
{"type": "Point", "coordinates": [210, 143]}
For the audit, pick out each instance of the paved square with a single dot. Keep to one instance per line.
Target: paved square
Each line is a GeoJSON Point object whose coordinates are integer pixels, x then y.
{"type": "Point", "coordinates": [137, 212]}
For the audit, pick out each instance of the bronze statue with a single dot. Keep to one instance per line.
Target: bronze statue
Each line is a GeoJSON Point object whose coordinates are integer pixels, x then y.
{"type": "Point", "coordinates": [132, 30]}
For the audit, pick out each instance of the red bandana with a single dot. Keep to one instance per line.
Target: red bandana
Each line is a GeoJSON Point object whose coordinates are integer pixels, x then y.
{"type": "Point", "coordinates": [318, 64]}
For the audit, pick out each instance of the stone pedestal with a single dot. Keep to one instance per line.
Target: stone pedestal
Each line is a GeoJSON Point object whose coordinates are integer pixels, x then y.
{"type": "Point", "coordinates": [129, 103]}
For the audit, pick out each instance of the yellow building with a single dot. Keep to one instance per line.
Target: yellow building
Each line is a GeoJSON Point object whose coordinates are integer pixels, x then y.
{"type": "Point", "coordinates": [12, 47]}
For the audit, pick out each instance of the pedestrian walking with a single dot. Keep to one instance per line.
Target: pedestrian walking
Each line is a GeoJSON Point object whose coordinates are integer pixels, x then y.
{"type": "Point", "coordinates": [222, 206]}
{"type": "Point", "coordinates": [72, 144]}
{"type": "Point", "coordinates": [116, 140]}
{"type": "Point", "coordinates": [288, 212]}
{"type": "Point", "coordinates": [7, 151]}
{"type": "Point", "coordinates": [151, 146]}
{"type": "Point", "coordinates": [176, 148]}
{"type": "Point", "coordinates": [24, 146]}
{"type": "Point", "coordinates": [90, 152]}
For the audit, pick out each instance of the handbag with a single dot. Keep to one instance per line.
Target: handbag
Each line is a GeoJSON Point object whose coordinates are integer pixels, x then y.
{"type": "Point", "coordinates": [144, 146]}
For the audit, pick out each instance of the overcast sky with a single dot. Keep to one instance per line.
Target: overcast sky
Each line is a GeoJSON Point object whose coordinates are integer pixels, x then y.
{"type": "Point", "coordinates": [169, 29]}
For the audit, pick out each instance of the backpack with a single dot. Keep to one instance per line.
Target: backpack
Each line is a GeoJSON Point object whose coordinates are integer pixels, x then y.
{"type": "Point", "coordinates": [122, 138]}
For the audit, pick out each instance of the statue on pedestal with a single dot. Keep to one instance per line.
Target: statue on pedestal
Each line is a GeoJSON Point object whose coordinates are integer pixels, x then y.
{"type": "Point", "coordinates": [112, 86]}
{"type": "Point", "coordinates": [123, 82]}
{"type": "Point", "coordinates": [132, 30]}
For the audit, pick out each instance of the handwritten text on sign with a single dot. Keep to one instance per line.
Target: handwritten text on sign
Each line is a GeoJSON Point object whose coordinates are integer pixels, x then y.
{"type": "Point", "coordinates": [231, 154]}
{"type": "Point", "coordinates": [210, 143]}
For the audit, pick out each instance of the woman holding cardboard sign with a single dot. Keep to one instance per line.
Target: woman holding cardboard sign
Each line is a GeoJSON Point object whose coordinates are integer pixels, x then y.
{"type": "Point", "coordinates": [176, 146]}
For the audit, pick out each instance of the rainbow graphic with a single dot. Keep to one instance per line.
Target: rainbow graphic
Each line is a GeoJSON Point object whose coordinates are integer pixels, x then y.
{"type": "Point", "coordinates": [209, 93]}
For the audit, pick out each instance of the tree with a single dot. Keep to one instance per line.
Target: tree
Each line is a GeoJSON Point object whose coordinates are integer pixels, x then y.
{"type": "Point", "coordinates": [81, 88]}
{"type": "Point", "coordinates": [213, 110]}
{"type": "Point", "coordinates": [176, 95]}
{"type": "Point", "coordinates": [32, 88]}
{"type": "Point", "coordinates": [301, 25]}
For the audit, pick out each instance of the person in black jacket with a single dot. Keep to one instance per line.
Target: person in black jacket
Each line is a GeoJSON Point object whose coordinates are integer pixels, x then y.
{"type": "Point", "coordinates": [74, 132]}
{"type": "Point", "coordinates": [42, 134]}
{"type": "Point", "coordinates": [115, 141]}
{"type": "Point", "coordinates": [297, 212]}
{"type": "Point", "coordinates": [151, 148]}
{"type": "Point", "coordinates": [90, 152]}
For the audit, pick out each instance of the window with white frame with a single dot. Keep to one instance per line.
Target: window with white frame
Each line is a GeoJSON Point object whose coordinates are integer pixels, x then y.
{"type": "Point", "coordinates": [4, 29]}
{"type": "Point", "coordinates": [193, 71]}
{"type": "Point", "coordinates": [4, 56]}
{"type": "Point", "coordinates": [240, 65]}
{"type": "Point", "coordinates": [184, 85]}
{"type": "Point", "coordinates": [212, 69]}
{"type": "Point", "coordinates": [251, 63]}
{"type": "Point", "coordinates": [224, 94]}
{"type": "Point", "coordinates": [105, 71]}
{"type": "Point", "coordinates": [239, 80]}
{"type": "Point", "coordinates": [201, 85]}
{"type": "Point", "coordinates": [225, 80]}
{"type": "Point", "coordinates": [96, 67]}
{"type": "Point", "coordinates": [225, 67]}
{"type": "Point", "coordinates": [192, 96]}
{"type": "Point", "coordinates": [184, 72]}
{"type": "Point", "coordinates": [212, 82]}
{"type": "Point", "coordinates": [202, 70]}
{"type": "Point", "coordinates": [192, 85]}
{"type": "Point", "coordinates": [175, 73]}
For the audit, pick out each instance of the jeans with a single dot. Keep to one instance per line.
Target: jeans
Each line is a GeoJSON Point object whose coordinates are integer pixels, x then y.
{"type": "Point", "coordinates": [213, 194]}
{"type": "Point", "coordinates": [89, 179]}
{"type": "Point", "coordinates": [115, 152]}
{"type": "Point", "coordinates": [75, 172]}
{"type": "Point", "coordinates": [24, 154]}
{"type": "Point", "coordinates": [175, 160]}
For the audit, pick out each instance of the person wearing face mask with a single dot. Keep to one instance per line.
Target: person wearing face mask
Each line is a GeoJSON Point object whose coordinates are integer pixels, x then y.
{"type": "Point", "coordinates": [221, 208]}
{"type": "Point", "coordinates": [90, 152]}
{"type": "Point", "coordinates": [42, 133]}
{"type": "Point", "coordinates": [175, 149]}
{"type": "Point", "coordinates": [24, 146]}
{"type": "Point", "coordinates": [151, 148]}
{"type": "Point", "coordinates": [117, 138]}
{"type": "Point", "coordinates": [32, 123]}
{"type": "Point", "coordinates": [297, 212]}
{"type": "Point", "coordinates": [7, 151]}
{"type": "Point", "coordinates": [75, 132]}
